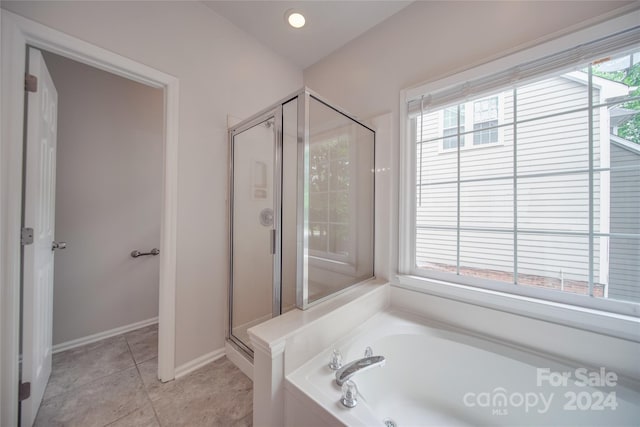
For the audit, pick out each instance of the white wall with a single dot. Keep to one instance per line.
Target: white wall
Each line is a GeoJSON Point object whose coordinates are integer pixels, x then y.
{"type": "Point", "coordinates": [108, 199]}
{"type": "Point", "coordinates": [221, 71]}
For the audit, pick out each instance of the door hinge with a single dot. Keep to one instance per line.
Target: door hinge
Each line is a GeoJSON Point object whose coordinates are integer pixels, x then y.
{"type": "Point", "coordinates": [26, 236]}
{"type": "Point", "coordinates": [30, 83]}
{"type": "Point", "coordinates": [24, 391]}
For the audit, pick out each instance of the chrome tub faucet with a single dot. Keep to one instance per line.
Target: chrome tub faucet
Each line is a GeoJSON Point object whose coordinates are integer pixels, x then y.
{"type": "Point", "coordinates": [349, 370]}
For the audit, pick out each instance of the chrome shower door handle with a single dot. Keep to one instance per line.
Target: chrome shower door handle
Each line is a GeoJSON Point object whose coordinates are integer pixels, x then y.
{"type": "Point", "coordinates": [58, 245]}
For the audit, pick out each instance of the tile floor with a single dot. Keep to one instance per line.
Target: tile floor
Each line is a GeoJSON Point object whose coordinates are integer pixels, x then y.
{"type": "Point", "coordinates": [114, 383]}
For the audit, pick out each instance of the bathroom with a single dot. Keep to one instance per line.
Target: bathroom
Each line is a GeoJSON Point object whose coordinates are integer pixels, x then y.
{"type": "Point", "coordinates": [227, 75]}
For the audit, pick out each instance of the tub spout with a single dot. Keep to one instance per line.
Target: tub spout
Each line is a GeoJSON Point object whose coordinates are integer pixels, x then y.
{"type": "Point", "coordinates": [349, 370]}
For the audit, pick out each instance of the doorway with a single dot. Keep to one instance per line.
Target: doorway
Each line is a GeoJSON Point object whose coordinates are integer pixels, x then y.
{"type": "Point", "coordinates": [97, 186]}
{"type": "Point", "coordinates": [17, 34]}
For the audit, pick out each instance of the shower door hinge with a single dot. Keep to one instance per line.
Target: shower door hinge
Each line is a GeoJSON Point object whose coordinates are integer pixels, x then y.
{"type": "Point", "coordinates": [30, 83]}
{"type": "Point", "coordinates": [24, 391]}
{"type": "Point", "coordinates": [26, 236]}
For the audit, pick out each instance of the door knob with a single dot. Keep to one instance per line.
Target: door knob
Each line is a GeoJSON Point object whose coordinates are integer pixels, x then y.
{"type": "Point", "coordinates": [58, 245]}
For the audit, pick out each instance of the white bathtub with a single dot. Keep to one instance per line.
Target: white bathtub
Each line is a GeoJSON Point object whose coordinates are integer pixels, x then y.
{"type": "Point", "coordinates": [436, 376]}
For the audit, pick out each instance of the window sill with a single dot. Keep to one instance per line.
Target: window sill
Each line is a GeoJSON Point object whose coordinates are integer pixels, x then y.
{"type": "Point", "coordinates": [591, 320]}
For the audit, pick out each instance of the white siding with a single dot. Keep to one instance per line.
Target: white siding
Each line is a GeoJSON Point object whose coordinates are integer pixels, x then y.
{"type": "Point", "coordinates": [624, 254]}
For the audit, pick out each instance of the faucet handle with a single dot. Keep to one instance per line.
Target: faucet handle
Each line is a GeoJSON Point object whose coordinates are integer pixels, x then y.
{"type": "Point", "coordinates": [368, 352]}
{"type": "Point", "coordinates": [349, 394]}
{"type": "Point", "coordinates": [335, 362]}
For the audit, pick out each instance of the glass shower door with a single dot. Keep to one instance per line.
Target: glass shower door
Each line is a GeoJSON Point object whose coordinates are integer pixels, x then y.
{"type": "Point", "coordinates": [255, 275]}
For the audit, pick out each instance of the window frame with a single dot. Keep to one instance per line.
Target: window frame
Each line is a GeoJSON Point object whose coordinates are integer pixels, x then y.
{"type": "Point", "coordinates": [601, 315]}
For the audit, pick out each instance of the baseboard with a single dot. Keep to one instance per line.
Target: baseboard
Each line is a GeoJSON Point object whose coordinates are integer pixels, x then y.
{"type": "Point", "coordinates": [78, 342]}
{"type": "Point", "coordinates": [198, 362]}
{"type": "Point", "coordinates": [237, 358]}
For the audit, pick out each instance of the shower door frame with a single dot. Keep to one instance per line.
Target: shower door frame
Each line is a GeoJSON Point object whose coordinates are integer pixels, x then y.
{"type": "Point", "coordinates": [275, 113]}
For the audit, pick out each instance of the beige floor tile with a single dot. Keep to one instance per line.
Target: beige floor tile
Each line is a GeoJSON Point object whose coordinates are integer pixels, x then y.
{"type": "Point", "coordinates": [216, 394]}
{"type": "Point", "coordinates": [95, 404]}
{"type": "Point", "coordinates": [143, 417]}
{"type": "Point", "coordinates": [143, 343]}
{"type": "Point", "coordinates": [149, 373]}
{"type": "Point", "coordinates": [76, 367]}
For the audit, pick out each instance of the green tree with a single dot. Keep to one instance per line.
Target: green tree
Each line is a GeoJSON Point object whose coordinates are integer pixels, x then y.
{"type": "Point", "coordinates": [629, 130]}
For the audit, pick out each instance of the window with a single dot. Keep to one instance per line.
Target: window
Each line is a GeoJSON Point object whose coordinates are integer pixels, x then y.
{"type": "Point", "coordinates": [553, 211]}
{"type": "Point", "coordinates": [450, 127]}
{"type": "Point", "coordinates": [483, 117]}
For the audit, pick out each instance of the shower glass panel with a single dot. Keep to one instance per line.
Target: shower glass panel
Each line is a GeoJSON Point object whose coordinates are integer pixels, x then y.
{"type": "Point", "coordinates": [301, 197]}
{"type": "Point", "coordinates": [255, 277]}
{"type": "Point", "coordinates": [339, 187]}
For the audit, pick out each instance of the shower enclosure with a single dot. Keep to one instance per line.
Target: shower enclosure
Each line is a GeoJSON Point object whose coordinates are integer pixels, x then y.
{"type": "Point", "coordinates": [301, 209]}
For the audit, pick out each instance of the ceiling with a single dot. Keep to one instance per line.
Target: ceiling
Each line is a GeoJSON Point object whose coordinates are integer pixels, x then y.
{"type": "Point", "coordinates": [330, 24]}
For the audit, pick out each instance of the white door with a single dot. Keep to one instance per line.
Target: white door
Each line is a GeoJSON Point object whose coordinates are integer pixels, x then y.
{"type": "Point", "coordinates": [39, 202]}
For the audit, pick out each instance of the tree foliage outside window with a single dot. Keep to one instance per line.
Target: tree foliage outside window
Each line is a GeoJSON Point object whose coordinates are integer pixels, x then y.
{"type": "Point", "coordinates": [630, 76]}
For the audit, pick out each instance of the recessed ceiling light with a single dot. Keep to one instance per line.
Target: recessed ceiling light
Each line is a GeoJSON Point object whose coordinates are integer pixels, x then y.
{"type": "Point", "coordinates": [295, 19]}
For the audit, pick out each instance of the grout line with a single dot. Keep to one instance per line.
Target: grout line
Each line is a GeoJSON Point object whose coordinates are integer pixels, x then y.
{"type": "Point", "coordinates": [125, 415]}
{"type": "Point", "coordinates": [146, 392]}
{"type": "Point", "coordinates": [144, 387]}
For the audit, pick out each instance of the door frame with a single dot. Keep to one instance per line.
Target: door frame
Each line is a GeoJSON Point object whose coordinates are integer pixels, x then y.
{"type": "Point", "coordinates": [16, 34]}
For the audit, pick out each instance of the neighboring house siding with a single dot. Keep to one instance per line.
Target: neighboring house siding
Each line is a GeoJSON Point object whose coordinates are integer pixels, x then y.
{"type": "Point", "coordinates": [624, 277]}
{"type": "Point", "coordinates": [551, 203]}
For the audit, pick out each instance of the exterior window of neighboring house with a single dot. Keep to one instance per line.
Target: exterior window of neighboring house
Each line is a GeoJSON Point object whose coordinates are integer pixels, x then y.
{"type": "Point", "coordinates": [551, 209]}
{"type": "Point", "coordinates": [450, 127]}
{"type": "Point", "coordinates": [485, 116]}
{"type": "Point", "coordinates": [483, 119]}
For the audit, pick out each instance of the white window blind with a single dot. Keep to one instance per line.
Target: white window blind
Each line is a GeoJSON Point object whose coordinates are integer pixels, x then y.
{"type": "Point", "coordinates": [520, 74]}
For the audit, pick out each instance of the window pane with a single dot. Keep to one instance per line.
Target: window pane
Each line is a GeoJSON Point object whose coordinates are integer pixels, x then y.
{"type": "Point", "coordinates": [436, 249]}
{"type": "Point", "coordinates": [624, 191]}
{"type": "Point", "coordinates": [428, 126]}
{"type": "Point", "coordinates": [339, 239]}
{"type": "Point", "coordinates": [487, 255]}
{"type": "Point", "coordinates": [553, 95]}
{"type": "Point", "coordinates": [623, 269]}
{"type": "Point", "coordinates": [489, 162]}
{"type": "Point", "coordinates": [554, 203]}
{"type": "Point", "coordinates": [339, 206]}
{"type": "Point", "coordinates": [340, 174]}
{"type": "Point", "coordinates": [450, 128]}
{"type": "Point", "coordinates": [318, 236]}
{"type": "Point", "coordinates": [433, 166]}
{"type": "Point", "coordinates": [450, 142]}
{"type": "Point", "coordinates": [439, 206]}
{"type": "Point", "coordinates": [318, 207]}
{"type": "Point", "coordinates": [485, 110]}
{"type": "Point", "coordinates": [319, 176]}
{"type": "Point", "coordinates": [553, 144]}
{"type": "Point", "coordinates": [489, 136]}
{"type": "Point", "coordinates": [487, 204]}
{"type": "Point", "coordinates": [554, 262]}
